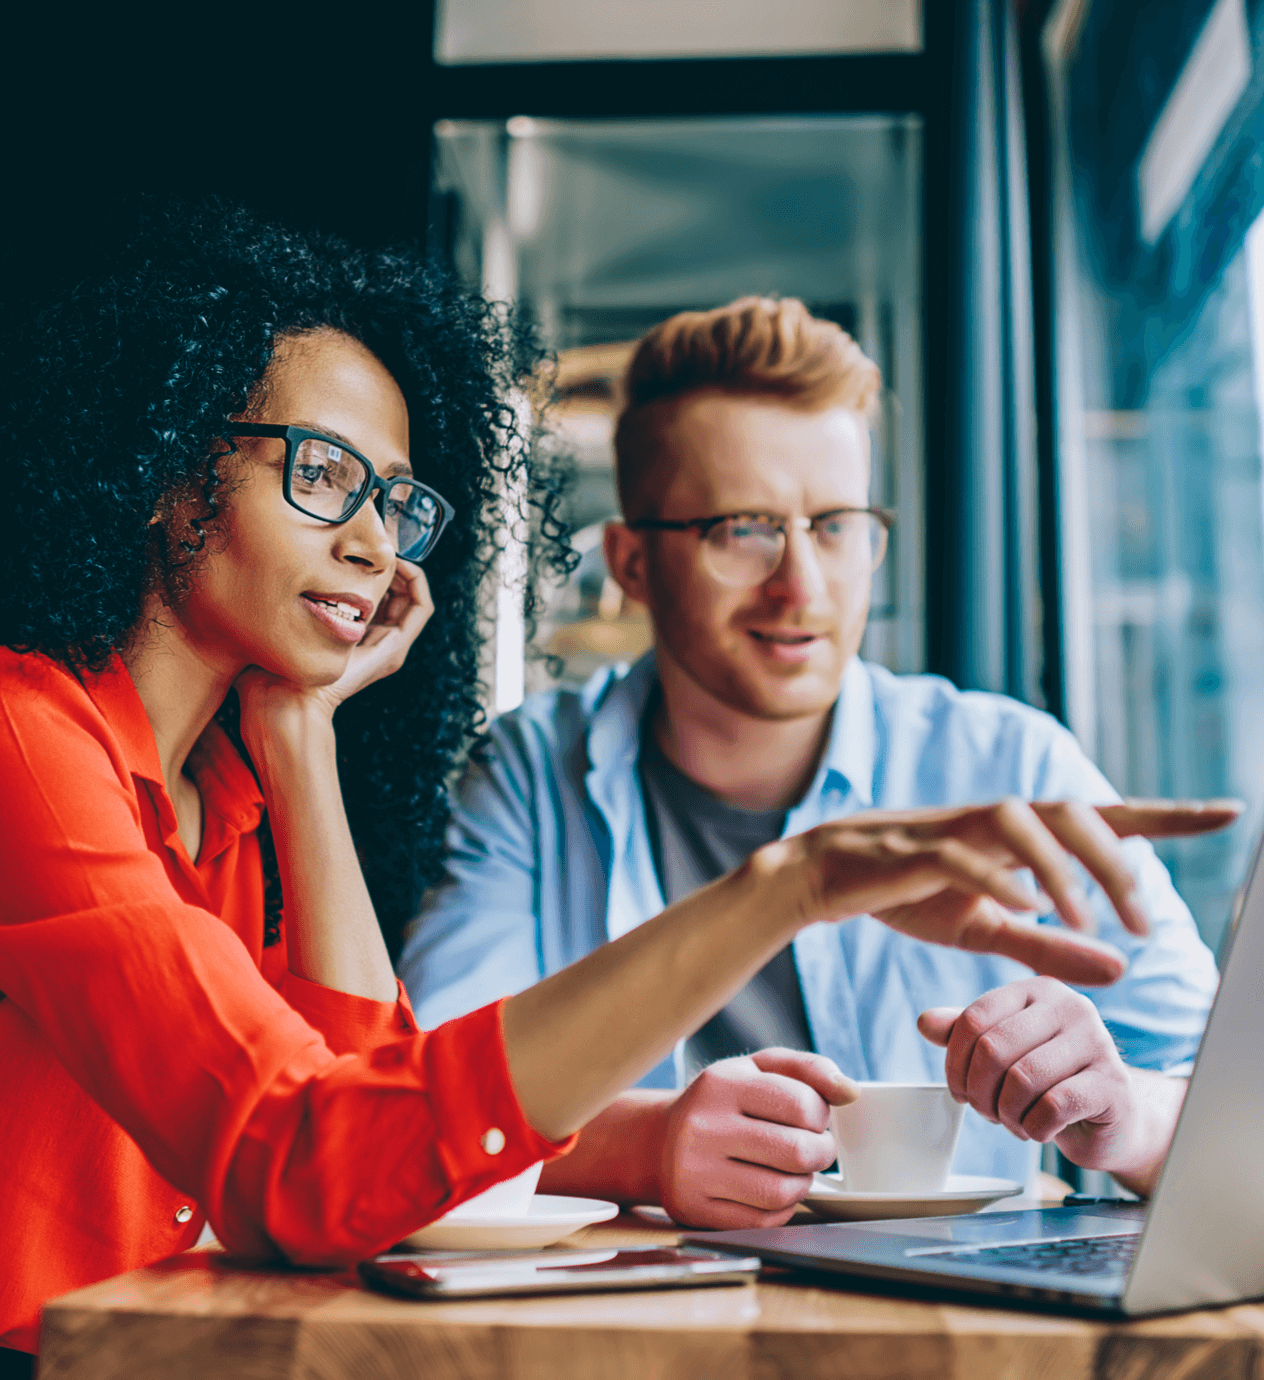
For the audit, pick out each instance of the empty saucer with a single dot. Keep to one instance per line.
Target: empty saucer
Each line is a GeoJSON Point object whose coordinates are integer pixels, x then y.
{"type": "Point", "coordinates": [548, 1218]}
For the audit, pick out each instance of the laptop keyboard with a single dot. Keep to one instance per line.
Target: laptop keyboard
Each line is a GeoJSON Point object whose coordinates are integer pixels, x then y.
{"type": "Point", "coordinates": [1083, 1255]}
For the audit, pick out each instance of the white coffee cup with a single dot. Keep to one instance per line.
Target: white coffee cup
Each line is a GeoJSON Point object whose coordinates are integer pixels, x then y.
{"type": "Point", "coordinates": [897, 1138]}
{"type": "Point", "coordinates": [511, 1198]}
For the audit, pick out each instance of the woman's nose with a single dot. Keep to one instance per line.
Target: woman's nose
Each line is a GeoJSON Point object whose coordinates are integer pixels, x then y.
{"type": "Point", "coordinates": [363, 539]}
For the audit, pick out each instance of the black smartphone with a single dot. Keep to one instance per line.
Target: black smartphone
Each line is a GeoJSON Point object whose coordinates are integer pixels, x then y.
{"type": "Point", "coordinates": [448, 1275]}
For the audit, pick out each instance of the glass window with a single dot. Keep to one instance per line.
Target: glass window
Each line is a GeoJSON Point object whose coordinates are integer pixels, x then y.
{"type": "Point", "coordinates": [600, 229]}
{"type": "Point", "coordinates": [1160, 354]}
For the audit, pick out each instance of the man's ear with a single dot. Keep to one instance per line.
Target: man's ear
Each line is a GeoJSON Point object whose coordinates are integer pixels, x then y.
{"type": "Point", "coordinates": [625, 555]}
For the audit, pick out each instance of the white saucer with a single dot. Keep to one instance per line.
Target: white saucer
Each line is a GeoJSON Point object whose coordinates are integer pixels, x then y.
{"type": "Point", "coordinates": [965, 1193]}
{"type": "Point", "coordinates": [547, 1219]}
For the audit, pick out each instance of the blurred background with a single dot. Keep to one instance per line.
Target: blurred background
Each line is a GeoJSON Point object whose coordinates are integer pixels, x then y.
{"type": "Point", "coordinates": [598, 229]}
{"type": "Point", "coordinates": [1039, 218]}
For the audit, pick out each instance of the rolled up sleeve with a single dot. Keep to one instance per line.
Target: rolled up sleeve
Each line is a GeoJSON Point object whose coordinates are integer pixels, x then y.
{"type": "Point", "coordinates": [305, 1122]}
{"type": "Point", "coordinates": [349, 1023]}
{"type": "Point", "coordinates": [158, 1014]}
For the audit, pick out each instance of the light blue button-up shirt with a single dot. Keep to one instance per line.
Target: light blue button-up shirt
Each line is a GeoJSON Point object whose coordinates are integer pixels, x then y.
{"type": "Point", "coordinates": [550, 857]}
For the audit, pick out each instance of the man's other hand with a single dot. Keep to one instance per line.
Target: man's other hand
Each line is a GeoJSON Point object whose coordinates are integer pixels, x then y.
{"type": "Point", "coordinates": [1035, 1057]}
{"type": "Point", "coordinates": [743, 1140]}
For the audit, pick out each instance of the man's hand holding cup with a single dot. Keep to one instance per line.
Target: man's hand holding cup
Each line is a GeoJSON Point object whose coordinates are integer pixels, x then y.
{"type": "Point", "coordinates": [743, 1140]}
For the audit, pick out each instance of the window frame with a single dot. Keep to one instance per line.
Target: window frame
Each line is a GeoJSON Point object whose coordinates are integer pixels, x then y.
{"type": "Point", "coordinates": [884, 83]}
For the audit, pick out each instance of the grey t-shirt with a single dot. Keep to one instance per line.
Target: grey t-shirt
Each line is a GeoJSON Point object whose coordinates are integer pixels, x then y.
{"type": "Point", "coordinates": [696, 838]}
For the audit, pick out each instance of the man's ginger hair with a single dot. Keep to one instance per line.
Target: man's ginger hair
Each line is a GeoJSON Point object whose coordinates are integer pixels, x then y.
{"type": "Point", "coordinates": [755, 347]}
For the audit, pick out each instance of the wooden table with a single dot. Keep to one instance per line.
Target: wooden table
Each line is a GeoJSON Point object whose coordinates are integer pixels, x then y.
{"type": "Point", "coordinates": [200, 1315]}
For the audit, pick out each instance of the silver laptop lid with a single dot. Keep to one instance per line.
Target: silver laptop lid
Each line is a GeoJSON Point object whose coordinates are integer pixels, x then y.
{"type": "Point", "coordinates": [1203, 1240]}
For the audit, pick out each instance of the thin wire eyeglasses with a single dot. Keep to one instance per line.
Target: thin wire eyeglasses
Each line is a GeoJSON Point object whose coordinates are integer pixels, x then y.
{"type": "Point", "coordinates": [327, 480]}
{"type": "Point", "coordinates": [743, 549]}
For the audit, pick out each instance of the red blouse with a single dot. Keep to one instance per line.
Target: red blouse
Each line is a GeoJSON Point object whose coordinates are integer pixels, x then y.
{"type": "Point", "coordinates": [158, 1066]}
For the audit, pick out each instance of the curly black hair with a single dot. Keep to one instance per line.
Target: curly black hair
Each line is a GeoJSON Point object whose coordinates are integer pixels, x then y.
{"type": "Point", "coordinates": [117, 390]}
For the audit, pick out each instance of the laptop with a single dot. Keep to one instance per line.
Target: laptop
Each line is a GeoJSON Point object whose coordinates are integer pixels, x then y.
{"type": "Point", "coordinates": [1199, 1240]}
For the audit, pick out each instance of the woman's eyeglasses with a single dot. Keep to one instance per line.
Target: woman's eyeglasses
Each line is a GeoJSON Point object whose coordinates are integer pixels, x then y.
{"type": "Point", "coordinates": [327, 480]}
{"type": "Point", "coordinates": [743, 549]}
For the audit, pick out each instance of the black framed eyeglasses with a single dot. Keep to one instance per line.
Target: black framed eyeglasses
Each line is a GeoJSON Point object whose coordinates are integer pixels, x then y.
{"type": "Point", "coordinates": [743, 549]}
{"type": "Point", "coordinates": [327, 480]}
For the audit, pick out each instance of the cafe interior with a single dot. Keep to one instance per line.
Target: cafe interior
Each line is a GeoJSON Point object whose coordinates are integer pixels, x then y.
{"type": "Point", "coordinates": [1044, 221]}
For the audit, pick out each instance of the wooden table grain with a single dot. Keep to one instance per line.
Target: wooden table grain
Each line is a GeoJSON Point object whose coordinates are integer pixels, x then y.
{"type": "Point", "coordinates": [202, 1316]}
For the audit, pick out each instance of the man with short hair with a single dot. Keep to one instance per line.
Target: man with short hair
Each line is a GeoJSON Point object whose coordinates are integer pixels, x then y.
{"type": "Point", "coordinates": [743, 472]}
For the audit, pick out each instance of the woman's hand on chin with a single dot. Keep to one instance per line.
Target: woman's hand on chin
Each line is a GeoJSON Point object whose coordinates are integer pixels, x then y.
{"type": "Point", "coordinates": [396, 625]}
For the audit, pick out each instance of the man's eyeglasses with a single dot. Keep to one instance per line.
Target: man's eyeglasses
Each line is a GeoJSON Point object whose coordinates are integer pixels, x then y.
{"type": "Point", "coordinates": [743, 549]}
{"type": "Point", "coordinates": [327, 480]}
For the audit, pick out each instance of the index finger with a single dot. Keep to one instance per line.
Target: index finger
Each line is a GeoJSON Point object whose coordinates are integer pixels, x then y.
{"type": "Point", "coordinates": [819, 1072]}
{"type": "Point", "coordinates": [1166, 819]}
{"type": "Point", "coordinates": [408, 604]}
{"type": "Point", "coordinates": [785, 1099]}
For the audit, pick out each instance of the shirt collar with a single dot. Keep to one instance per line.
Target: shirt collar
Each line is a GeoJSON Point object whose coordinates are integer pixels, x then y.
{"type": "Point", "coordinates": [849, 759]}
{"type": "Point", "coordinates": [114, 693]}
{"type": "Point", "coordinates": [614, 734]}
{"type": "Point", "coordinates": [847, 764]}
{"type": "Point", "coordinates": [230, 793]}
{"type": "Point", "coordinates": [228, 786]}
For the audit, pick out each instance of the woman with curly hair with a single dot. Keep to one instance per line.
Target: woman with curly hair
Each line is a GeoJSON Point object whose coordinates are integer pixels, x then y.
{"type": "Point", "coordinates": [229, 700]}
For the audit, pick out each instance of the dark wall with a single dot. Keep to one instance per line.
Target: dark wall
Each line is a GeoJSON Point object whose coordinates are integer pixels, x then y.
{"type": "Point", "coordinates": [318, 118]}
{"type": "Point", "coordinates": [321, 117]}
